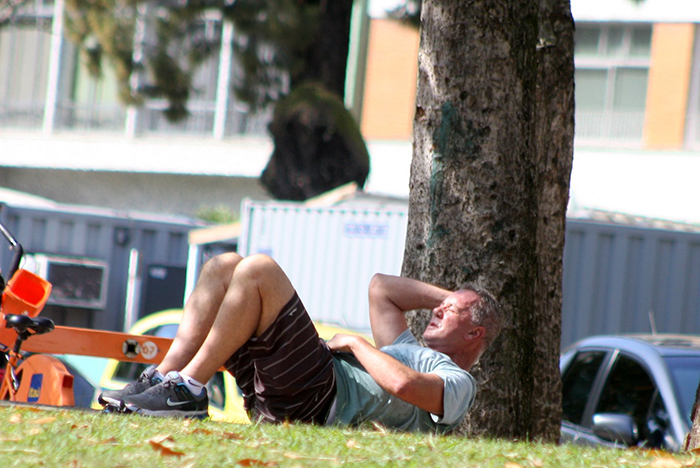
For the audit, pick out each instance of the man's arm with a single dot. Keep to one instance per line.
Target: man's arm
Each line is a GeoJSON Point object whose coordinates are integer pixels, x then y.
{"type": "Point", "coordinates": [390, 297]}
{"type": "Point", "coordinates": [423, 390]}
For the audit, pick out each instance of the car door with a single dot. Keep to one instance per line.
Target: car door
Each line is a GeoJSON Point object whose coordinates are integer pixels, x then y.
{"type": "Point", "coordinates": [630, 390]}
{"type": "Point", "coordinates": [581, 383]}
{"type": "Point", "coordinates": [600, 386]}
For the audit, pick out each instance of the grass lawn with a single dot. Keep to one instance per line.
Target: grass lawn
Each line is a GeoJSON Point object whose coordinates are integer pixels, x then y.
{"type": "Point", "coordinates": [61, 438]}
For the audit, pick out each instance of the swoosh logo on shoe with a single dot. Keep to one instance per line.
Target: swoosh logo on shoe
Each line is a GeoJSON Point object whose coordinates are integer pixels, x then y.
{"type": "Point", "coordinates": [170, 402]}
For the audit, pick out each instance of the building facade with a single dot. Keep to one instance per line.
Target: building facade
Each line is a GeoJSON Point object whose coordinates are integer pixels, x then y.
{"type": "Point", "coordinates": [637, 98]}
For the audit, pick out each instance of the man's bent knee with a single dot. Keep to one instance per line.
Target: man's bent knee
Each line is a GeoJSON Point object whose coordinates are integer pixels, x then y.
{"type": "Point", "coordinates": [259, 266]}
{"type": "Point", "coordinates": [271, 282]}
{"type": "Point", "coordinates": [221, 266]}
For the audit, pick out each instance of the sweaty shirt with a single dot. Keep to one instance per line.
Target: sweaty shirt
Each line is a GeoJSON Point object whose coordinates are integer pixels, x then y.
{"type": "Point", "coordinates": [359, 398]}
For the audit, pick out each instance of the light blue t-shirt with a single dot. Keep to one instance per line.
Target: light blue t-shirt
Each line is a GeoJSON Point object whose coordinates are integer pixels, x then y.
{"type": "Point", "coordinates": [359, 398]}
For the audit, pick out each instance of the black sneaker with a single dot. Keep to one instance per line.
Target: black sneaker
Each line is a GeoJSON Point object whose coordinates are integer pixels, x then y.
{"type": "Point", "coordinates": [169, 398]}
{"type": "Point", "coordinates": [115, 398]}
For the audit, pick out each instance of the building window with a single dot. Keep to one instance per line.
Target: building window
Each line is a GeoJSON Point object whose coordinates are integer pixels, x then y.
{"type": "Point", "coordinates": [612, 68]}
{"type": "Point", "coordinates": [24, 63]}
{"type": "Point", "coordinates": [692, 134]}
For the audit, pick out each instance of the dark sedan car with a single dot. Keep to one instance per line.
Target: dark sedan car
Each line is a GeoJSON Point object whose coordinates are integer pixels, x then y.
{"type": "Point", "coordinates": [635, 390]}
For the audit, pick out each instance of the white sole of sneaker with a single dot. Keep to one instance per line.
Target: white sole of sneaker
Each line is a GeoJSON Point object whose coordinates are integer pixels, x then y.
{"type": "Point", "coordinates": [170, 413]}
{"type": "Point", "coordinates": [107, 401]}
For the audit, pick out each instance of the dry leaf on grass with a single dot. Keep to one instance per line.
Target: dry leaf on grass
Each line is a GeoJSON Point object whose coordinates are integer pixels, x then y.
{"type": "Point", "coordinates": [157, 444]}
{"type": "Point", "coordinates": [160, 438]}
{"type": "Point", "coordinates": [163, 450]}
{"type": "Point", "coordinates": [296, 456]}
{"type": "Point", "coordinates": [254, 444]}
{"type": "Point", "coordinates": [665, 463]}
{"type": "Point", "coordinates": [199, 430]}
{"type": "Point", "coordinates": [16, 418]}
{"type": "Point", "coordinates": [254, 462]}
{"type": "Point", "coordinates": [18, 450]}
{"type": "Point", "coordinates": [378, 427]}
{"type": "Point", "coordinates": [88, 440]}
{"type": "Point", "coordinates": [351, 444]}
{"type": "Point", "coordinates": [111, 440]}
{"type": "Point", "coordinates": [42, 420]}
{"type": "Point", "coordinates": [511, 465]}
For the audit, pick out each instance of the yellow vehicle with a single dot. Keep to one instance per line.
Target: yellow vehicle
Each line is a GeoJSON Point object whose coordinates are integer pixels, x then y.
{"type": "Point", "coordinates": [225, 401]}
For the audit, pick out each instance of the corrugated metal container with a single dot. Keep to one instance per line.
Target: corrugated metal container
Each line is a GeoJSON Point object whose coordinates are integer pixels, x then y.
{"type": "Point", "coordinates": [330, 254]}
{"type": "Point", "coordinates": [622, 278]}
{"type": "Point", "coordinates": [618, 277]}
{"type": "Point", "coordinates": [145, 257]}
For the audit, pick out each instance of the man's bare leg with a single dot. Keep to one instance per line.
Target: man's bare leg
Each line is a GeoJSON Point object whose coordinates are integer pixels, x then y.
{"type": "Point", "coordinates": [200, 311]}
{"type": "Point", "coordinates": [235, 299]}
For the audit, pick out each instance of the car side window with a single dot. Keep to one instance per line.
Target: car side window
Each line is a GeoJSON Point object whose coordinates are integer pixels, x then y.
{"type": "Point", "coordinates": [629, 390]}
{"type": "Point", "coordinates": [577, 384]}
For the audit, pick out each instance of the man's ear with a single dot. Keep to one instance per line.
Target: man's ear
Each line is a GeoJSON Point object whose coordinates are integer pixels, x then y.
{"type": "Point", "coordinates": [475, 333]}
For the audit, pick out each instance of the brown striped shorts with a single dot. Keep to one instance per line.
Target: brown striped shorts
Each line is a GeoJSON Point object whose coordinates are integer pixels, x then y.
{"type": "Point", "coordinates": [287, 372]}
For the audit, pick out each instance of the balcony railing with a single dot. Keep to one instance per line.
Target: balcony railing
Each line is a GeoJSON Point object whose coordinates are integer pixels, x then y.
{"type": "Point", "coordinates": [151, 120]}
{"type": "Point", "coordinates": [609, 127]}
{"type": "Point", "coordinates": [26, 115]}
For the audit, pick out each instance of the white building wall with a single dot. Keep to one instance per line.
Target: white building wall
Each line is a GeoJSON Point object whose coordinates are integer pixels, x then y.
{"type": "Point", "coordinates": [650, 11]}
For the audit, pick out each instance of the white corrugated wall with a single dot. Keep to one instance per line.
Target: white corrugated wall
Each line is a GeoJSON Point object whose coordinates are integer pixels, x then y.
{"type": "Point", "coordinates": [329, 253]}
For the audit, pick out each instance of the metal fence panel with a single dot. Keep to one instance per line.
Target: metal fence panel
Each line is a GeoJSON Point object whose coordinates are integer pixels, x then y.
{"type": "Point", "coordinates": [104, 236]}
{"type": "Point", "coordinates": [623, 279]}
{"type": "Point", "coordinates": [617, 278]}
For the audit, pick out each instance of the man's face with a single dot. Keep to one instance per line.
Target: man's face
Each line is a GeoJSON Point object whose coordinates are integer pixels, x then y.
{"type": "Point", "coordinates": [451, 322]}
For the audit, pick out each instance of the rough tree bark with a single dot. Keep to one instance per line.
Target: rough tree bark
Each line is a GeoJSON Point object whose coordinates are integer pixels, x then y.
{"type": "Point", "coordinates": [493, 147]}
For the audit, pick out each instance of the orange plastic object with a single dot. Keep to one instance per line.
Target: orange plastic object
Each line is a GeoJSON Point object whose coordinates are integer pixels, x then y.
{"type": "Point", "coordinates": [97, 343]}
{"type": "Point", "coordinates": [25, 293]}
{"type": "Point", "coordinates": [44, 381]}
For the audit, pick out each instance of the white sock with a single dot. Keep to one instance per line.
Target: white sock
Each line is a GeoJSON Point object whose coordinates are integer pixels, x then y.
{"type": "Point", "coordinates": [192, 385]}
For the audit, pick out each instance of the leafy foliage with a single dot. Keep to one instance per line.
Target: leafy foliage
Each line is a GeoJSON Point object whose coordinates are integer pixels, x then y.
{"type": "Point", "coordinates": [219, 214]}
{"type": "Point", "coordinates": [318, 146]}
{"type": "Point", "coordinates": [8, 10]}
{"type": "Point", "coordinates": [291, 26]}
{"type": "Point", "coordinates": [164, 43]}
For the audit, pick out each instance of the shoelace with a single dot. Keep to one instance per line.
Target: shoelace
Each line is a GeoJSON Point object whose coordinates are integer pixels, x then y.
{"type": "Point", "coordinates": [169, 383]}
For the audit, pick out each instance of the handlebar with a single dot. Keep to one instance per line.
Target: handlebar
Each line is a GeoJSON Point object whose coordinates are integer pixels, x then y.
{"type": "Point", "coordinates": [16, 247]}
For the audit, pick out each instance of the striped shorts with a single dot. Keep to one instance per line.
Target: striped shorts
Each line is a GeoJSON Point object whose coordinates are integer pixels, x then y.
{"type": "Point", "coordinates": [286, 374]}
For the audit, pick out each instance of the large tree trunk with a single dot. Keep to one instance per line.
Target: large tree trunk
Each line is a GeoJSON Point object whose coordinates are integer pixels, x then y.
{"type": "Point", "coordinates": [327, 58]}
{"type": "Point", "coordinates": [493, 146]}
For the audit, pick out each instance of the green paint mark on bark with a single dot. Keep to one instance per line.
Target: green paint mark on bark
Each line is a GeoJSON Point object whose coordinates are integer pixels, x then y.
{"type": "Point", "coordinates": [443, 138]}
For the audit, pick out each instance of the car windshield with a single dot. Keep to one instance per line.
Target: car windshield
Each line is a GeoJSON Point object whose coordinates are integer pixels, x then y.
{"type": "Point", "coordinates": [686, 377]}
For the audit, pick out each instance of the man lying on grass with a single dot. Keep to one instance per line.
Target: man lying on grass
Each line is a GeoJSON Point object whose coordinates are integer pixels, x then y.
{"type": "Point", "coordinates": [244, 314]}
